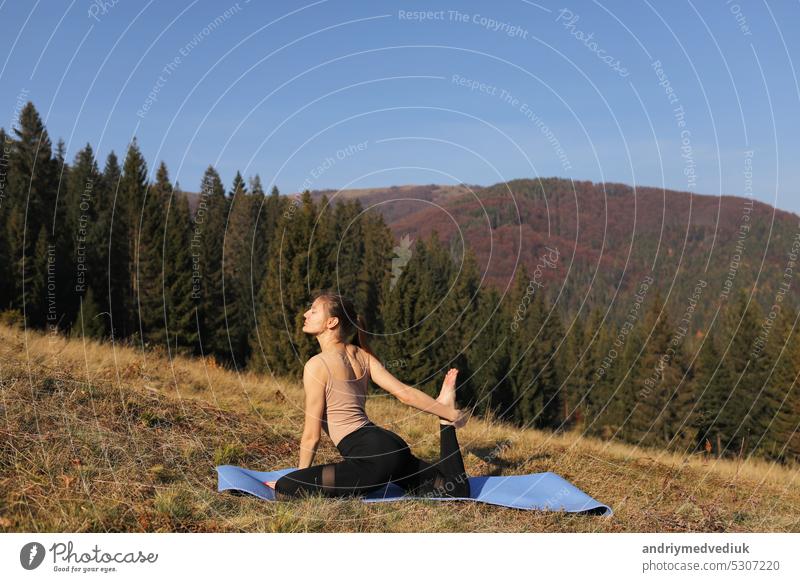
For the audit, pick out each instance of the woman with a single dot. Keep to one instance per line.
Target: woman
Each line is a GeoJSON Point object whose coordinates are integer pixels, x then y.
{"type": "Point", "coordinates": [335, 383]}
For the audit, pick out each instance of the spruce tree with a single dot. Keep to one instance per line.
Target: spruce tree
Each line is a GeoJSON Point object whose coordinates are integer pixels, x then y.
{"type": "Point", "coordinates": [380, 250]}
{"type": "Point", "coordinates": [178, 272]}
{"type": "Point", "coordinates": [778, 412]}
{"type": "Point", "coordinates": [458, 322]}
{"type": "Point", "coordinates": [397, 309]}
{"type": "Point", "coordinates": [78, 244]}
{"type": "Point", "coordinates": [238, 187]}
{"type": "Point", "coordinates": [61, 172]}
{"type": "Point", "coordinates": [339, 232]}
{"type": "Point", "coordinates": [488, 356]}
{"type": "Point", "coordinates": [540, 377]}
{"type": "Point", "coordinates": [279, 344]}
{"type": "Point", "coordinates": [592, 397]}
{"type": "Point", "coordinates": [739, 419]}
{"type": "Point", "coordinates": [526, 319]}
{"type": "Point", "coordinates": [265, 213]}
{"type": "Point", "coordinates": [237, 272]}
{"type": "Point", "coordinates": [208, 239]}
{"type": "Point", "coordinates": [616, 390]}
{"type": "Point", "coordinates": [31, 195]}
{"type": "Point", "coordinates": [127, 219]}
{"type": "Point", "coordinates": [38, 305]}
{"type": "Point", "coordinates": [656, 377]}
{"type": "Point", "coordinates": [415, 336]}
{"type": "Point", "coordinates": [712, 384]}
{"type": "Point", "coordinates": [89, 323]}
{"type": "Point", "coordinates": [550, 376]}
{"type": "Point", "coordinates": [115, 228]}
{"type": "Point", "coordinates": [64, 295]}
{"type": "Point", "coordinates": [33, 172]}
{"type": "Point", "coordinates": [574, 366]}
{"type": "Point", "coordinates": [6, 286]}
{"type": "Point", "coordinates": [150, 273]}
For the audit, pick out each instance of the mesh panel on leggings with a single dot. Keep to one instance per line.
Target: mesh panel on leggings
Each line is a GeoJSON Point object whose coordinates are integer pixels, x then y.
{"type": "Point", "coordinates": [329, 479]}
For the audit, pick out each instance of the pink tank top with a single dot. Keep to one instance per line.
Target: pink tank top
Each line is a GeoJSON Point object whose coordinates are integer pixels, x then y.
{"type": "Point", "coordinates": [344, 404]}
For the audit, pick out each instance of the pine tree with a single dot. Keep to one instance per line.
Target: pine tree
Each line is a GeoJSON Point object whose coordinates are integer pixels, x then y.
{"type": "Point", "coordinates": [178, 284]}
{"type": "Point", "coordinates": [33, 171]}
{"type": "Point", "coordinates": [575, 372]}
{"type": "Point", "coordinates": [61, 171]}
{"type": "Point", "coordinates": [678, 429]}
{"type": "Point", "coordinates": [380, 249]}
{"type": "Point", "coordinates": [209, 233]}
{"type": "Point", "coordinates": [6, 287]}
{"type": "Point", "coordinates": [656, 377]}
{"type": "Point", "coordinates": [265, 213]}
{"type": "Point", "coordinates": [414, 330]}
{"type": "Point", "coordinates": [526, 317]}
{"type": "Point", "coordinates": [712, 383]}
{"type": "Point", "coordinates": [64, 297]}
{"type": "Point", "coordinates": [116, 231]}
{"type": "Point", "coordinates": [778, 413]}
{"type": "Point", "coordinates": [237, 272]}
{"type": "Point", "coordinates": [551, 374]}
{"type": "Point", "coordinates": [239, 186]}
{"type": "Point", "coordinates": [626, 373]}
{"type": "Point", "coordinates": [488, 356]}
{"type": "Point", "coordinates": [127, 220]}
{"type": "Point", "coordinates": [537, 385]}
{"type": "Point", "coordinates": [743, 326]}
{"type": "Point", "coordinates": [279, 344]}
{"type": "Point", "coordinates": [340, 235]}
{"type": "Point", "coordinates": [89, 323]}
{"type": "Point", "coordinates": [78, 243]}
{"type": "Point", "coordinates": [590, 394]}
{"type": "Point", "coordinates": [458, 323]}
{"type": "Point", "coordinates": [151, 303]}
{"type": "Point", "coordinates": [38, 304]}
{"type": "Point", "coordinates": [30, 199]}
{"type": "Point", "coordinates": [397, 309]}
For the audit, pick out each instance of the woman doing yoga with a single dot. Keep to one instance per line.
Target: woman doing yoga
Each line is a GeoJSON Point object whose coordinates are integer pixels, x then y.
{"type": "Point", "coordinates": [335, 383]}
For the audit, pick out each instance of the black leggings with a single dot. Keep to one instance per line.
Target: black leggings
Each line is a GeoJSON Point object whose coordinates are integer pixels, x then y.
{"type": "Point", "coordinates": [373, 456]}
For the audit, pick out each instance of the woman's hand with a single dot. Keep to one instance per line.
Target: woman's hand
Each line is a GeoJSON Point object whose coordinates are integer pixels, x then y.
{"type": "Point", "coordinates": [270, 484]}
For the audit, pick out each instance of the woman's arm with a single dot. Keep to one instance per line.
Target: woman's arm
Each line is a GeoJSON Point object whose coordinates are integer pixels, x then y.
{"type": "Point", "coordinates": [314, 381]}
{"type": "Point", "coordinates": [407, 394]}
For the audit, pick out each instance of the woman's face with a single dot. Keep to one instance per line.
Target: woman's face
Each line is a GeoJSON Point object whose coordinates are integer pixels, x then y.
{"type": "Point", "coordinates": [315, 318]}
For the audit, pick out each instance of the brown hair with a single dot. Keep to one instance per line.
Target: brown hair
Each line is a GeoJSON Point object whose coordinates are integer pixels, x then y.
{"type": "Point", "coordinates": [342, 307]}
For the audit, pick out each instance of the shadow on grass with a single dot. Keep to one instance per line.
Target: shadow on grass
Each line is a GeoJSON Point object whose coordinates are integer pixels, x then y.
{"type": "Point", "coordinates": [492, 456]}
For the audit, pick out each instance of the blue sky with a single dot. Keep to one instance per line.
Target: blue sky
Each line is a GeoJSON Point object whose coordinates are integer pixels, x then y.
{"type": "Point", "coordinates": [335, 94]}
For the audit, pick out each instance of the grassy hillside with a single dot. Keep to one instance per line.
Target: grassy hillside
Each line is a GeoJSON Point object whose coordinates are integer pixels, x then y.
{"type": "Point", "coordinates": [101, 438]}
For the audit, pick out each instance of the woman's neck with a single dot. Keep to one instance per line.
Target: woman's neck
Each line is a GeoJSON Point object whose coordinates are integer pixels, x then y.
{"type": "Point", "coordinates": [332, 345]}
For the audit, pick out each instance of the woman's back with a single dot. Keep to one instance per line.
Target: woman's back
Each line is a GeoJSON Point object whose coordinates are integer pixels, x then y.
{"type": "Point", "coordinates": [345, 392]}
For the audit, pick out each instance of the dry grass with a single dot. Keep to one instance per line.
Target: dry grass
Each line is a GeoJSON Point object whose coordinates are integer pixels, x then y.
{"type": "Point", "coordinates": [102, 438]}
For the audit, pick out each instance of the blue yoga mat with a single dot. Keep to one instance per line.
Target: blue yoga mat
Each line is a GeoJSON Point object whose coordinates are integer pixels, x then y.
{"type": "Point", "coordinates": [537, 491]}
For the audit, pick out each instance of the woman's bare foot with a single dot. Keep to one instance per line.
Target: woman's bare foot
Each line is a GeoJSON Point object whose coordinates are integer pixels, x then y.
{"type": "Point", "coordinates": [447, 395]}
